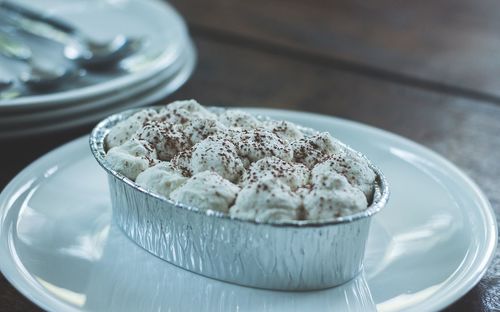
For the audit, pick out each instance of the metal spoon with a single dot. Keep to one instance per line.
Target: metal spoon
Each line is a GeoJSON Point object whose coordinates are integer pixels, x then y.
{"type": "Point", "coordinates": [42, 78]}
{"type": "Point", "coordinates": [97, 55]}
{"type": "Point", "coordinates": [5, 83]}
{"type": "Point", "coordinates": [39, 76]}
{"type": "Point", "coordinates": [86, 51]}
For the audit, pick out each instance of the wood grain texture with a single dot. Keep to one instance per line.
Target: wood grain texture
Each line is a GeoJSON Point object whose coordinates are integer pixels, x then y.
{"type": "Point", "coordinates": [452, 45]}
{"type": "Point", "coordinates": [228, 73]}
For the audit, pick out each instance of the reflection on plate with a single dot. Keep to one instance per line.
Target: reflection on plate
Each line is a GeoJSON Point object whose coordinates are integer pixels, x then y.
{"type": "Point", "coordinates": [429, 246]}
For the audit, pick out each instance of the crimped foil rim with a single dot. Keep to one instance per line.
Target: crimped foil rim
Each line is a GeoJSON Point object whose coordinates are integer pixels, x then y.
{"type": "Point", "coordinates": [97, 146]}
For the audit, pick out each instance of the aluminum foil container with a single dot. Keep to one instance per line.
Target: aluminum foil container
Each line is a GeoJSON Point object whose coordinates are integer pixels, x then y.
{"type": "Point", "coordinates": [296, 255]}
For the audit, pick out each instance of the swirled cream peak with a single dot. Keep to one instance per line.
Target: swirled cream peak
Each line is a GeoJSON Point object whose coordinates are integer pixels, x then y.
{"type": "Point", "coordinates": [332, 196]}
{"type": "Point", "coordinates": [198, 129]}
{"type": "Point", "coordinates": [284, 129]}
{"type": "Point", "coordinates": [124, 130]}
{"type": "Point", "coordinates": [267, 200]}
{"type": "Point", "coordinates": [167, 138]}
{"type": "Point", "coordinates": [293, 175]}
{"type": "Point", "coordinates": [181, 112]}
{"type": "Point", "coordinates": [215, 154]}
{"type": "Point", "coordinates": [231, 161]}
{"type": "Point", "coordinates": [131, 158]}
{"type": "Point", "coordinates": [350, 165]}
{"type": "Point", "coordinates": [236, 118]}
{"type": "Point", "coordinates": [259, 143]}
{"type": "Point", "coordinates": [207, 191]}
{"type": "Point", "coordinates": [315, 149]}
{"type": "Point", "coordinates": [161, 179]}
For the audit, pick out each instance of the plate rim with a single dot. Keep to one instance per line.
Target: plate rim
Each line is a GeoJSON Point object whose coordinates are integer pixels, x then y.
{"type": "Point", "coordinates": [488, 214]}
{"type": "Point", "coordinates": [59, 98]}
{"type": "Point", "coordinates": [164, 87]}
{"type": "Point", "coordinates": [465, 283]}
{"type": "Point", "coordinates": [43, 114]}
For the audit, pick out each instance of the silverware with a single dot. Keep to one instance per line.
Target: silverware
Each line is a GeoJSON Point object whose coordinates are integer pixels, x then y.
{"type": "Point", "coordinates": [297, 255]}
{"type": "Point", "coordinates": [95, 55]}
{"type": "Point", "coordinates": [39, 76]}
{"type": "Point", "coordinates": [86, 51]}
{"type": "Point", "coordinates": [5, 83]}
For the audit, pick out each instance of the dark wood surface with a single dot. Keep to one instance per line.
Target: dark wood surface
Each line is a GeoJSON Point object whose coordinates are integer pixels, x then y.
{"type": "Point", "coordinates": [444, 44]}
{"type": "Point", "coordinates": [427, 71]}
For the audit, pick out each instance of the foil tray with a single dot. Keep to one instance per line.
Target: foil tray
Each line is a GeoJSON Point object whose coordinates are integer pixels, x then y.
{"type": "Point", "coordinates": [296, 255]}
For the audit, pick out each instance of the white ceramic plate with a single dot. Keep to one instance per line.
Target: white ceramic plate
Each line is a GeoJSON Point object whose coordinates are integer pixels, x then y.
{"type": "Point", "coordinates": [51, 115]}
{"type": "Point", "coordinates": [71, 119]}
{"type": "Point", "coordinates": [155, 20]}
{"type": "Point", "coordinates": [58, 246]}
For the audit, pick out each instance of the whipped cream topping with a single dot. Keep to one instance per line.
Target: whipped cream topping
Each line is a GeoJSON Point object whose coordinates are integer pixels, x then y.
{"type": "Point", "coordinates": [161, 179]}
{"type": "Point", "coordinates": [267, 171]}
{"type": "Point", "coordinates": [292, 174]}
{"type": "Point", "coordinates": [350, 165]}
{"type": "Point", "coordinates": [218, 155]}
{"type": "Point", "coordinates": [315, 149]}
{"type": "Point", "coordinates": [132, 157]}
{"type": "Point", "coordinates": [199, 129]}
{"type": "Point", "coordinates": [332, 196]}
{"type": "Point", "coordinates": [267, 200]}
{"type": "Point", "coordinates": [124, 130]}
{"type": "Point", "coordinates": [259, 143]}
{"type": "Point", "coordinates": [181, 112]}
{"type": "Point", "coordinates": [236, 118]}
{"type": "Point", "coordinates": [168, 139]}
{"type": "Point", "coordinates": [207, 191]}
{"type": "Point", "coordinates": [284, 129]}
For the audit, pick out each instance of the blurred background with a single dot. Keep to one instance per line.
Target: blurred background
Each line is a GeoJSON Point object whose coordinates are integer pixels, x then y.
{"type": "Point", "coordinates": [427, 70]}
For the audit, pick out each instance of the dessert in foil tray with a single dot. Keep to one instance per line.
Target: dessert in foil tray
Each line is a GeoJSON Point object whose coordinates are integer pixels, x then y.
{"type": "Point", "coordinates": [232, 162]}
{"type": "Point", "coordinates": [240, 198]}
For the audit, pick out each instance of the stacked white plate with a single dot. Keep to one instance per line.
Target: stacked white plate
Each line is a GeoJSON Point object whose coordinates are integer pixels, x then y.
{"type": "Point", "coordinates": [164, 62]}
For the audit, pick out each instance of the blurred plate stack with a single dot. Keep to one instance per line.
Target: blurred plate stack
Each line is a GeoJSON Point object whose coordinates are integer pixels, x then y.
{"type": "Point", "coordinates": [163, 61]}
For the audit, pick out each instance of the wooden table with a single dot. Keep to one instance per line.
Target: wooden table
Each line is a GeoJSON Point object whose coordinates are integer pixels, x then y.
{"type": "Point", "coordinates": [427, 70]}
